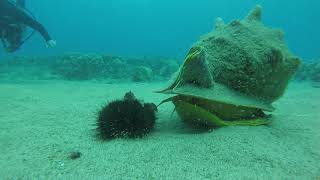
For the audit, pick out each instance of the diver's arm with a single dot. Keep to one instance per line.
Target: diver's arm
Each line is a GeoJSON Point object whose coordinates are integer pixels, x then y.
{"type": "Point", "coordinates": [39, 27]}
{"type": "Point", "coordinates": [27, 20]}
{"type": "Point", "coordinates": [23, 18]}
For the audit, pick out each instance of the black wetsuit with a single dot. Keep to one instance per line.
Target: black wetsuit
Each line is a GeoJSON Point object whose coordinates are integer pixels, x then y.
{"type": "Point", "coordinates": [11, 14]}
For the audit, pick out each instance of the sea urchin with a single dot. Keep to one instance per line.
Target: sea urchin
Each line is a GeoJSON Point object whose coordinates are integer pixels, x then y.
{"type": "Point", "coordinates": [126, 118]}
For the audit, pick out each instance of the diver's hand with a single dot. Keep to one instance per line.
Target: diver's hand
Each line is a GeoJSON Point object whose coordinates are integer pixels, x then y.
{"type": "Point", "coordinates": [51, 43]}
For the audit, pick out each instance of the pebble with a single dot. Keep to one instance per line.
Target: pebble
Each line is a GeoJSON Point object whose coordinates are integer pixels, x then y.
{"type": "Point", "coordinates": [74, 155]}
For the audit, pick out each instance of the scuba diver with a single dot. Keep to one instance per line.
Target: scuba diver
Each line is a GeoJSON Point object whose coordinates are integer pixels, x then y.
{"type": "Point", "coordinates": [14, 19]}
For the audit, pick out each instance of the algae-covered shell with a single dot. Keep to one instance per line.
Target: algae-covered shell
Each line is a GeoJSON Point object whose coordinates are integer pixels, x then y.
{"type": "Point", "coordinates": [242, 63]}
{"type": "Point", "coordinates": [234, 73]}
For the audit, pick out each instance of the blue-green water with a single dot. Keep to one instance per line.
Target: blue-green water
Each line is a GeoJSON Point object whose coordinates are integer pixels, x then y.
{"type": "Point", "coordinates": [162, 27]}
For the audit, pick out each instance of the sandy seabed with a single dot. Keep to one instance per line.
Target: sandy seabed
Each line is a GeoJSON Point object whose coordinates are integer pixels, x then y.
{"type": "Point", "coordinates": [41, 122]}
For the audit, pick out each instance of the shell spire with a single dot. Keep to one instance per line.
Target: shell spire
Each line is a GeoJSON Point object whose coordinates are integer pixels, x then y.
{"type": "Point", "coordinates": [255, 14]}
{"type": "Point", "coordinates": [219, 23]}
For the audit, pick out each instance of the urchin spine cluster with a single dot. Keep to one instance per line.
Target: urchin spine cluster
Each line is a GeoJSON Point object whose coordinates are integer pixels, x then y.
{"type": "Point", "coordinates": [126, 118]}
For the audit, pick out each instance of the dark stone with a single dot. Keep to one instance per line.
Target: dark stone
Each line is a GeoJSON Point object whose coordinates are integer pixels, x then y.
{"type": "Point", "coordinates": [74, 155]}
